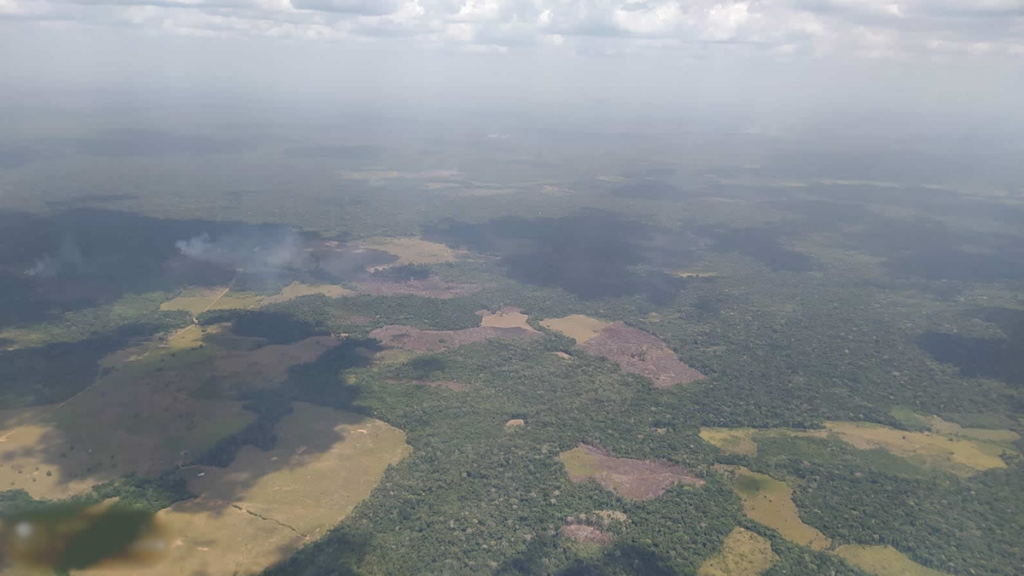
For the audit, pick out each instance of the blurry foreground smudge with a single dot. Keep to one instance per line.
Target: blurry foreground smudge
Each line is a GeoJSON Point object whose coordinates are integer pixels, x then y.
{"type": "Point", "coordinates": [66, 537]}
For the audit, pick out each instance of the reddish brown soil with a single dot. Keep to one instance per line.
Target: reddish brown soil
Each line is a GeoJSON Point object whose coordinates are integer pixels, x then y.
{"type": "Point", "coordinates": [641, 353]}
{"type": "Point", "coordinates": [432, 287]}
{"type": "Point", "coordinates": [634, 479]}
{"type": "Point", "coordinates": [449, 384]}
{"type": "Point", "coordinates": [584, 533]}
{"type": "Point", "coordinates": [418, 340]}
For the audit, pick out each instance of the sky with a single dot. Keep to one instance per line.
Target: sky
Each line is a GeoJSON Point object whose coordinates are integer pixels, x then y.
{"type": "Point", "coordinates": [957, 62]}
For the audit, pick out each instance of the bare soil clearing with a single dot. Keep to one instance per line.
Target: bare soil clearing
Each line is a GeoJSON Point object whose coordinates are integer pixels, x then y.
{"type": "Point", "coordinates": [577, 326]}
{"type": "Point", "coordinates": [587, 534]}
{"type": "Point", "coordinates": [407, 338]}
{"type": "Point", "coordinates": [515, 423]}
{"type": "Point", "coordinates": [641, 353]}
{"type": "Point", "coordinates": [743, 553]}
{"type": "Point", "coordinates": [633, 479]}
{"type": "Point", "coordinates": [505, 318]}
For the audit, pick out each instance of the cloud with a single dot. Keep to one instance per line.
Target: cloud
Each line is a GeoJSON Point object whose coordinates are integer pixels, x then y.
{"type": "Point", "coordinates": [780, 28]}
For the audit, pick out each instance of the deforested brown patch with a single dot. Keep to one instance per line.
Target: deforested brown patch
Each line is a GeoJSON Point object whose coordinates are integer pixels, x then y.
{"type": "Point", "coordinates": [432, 287]}
{"type": "Point", "coordinates": [417, 340]}
{"type": "Point", "coordinates": [641, 353]}
{"type": "Point", "coordinates": [449, 384]}
{"type": "Point", "coordinates": [587, 534]}
{"type": "Point", "coordinates": [633, 479]}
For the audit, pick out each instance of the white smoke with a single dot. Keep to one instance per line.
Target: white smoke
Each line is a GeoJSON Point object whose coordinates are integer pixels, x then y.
{"type": "Point", "coordinates": [252, 252]}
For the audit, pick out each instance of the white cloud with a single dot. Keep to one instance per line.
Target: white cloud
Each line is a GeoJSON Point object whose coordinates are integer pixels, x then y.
{"type": "Point", "coordinates": [819, 28]}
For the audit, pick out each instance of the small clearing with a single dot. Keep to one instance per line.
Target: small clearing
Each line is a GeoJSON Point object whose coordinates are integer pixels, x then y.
{"type": "Point", "coordinates": [195, 299]}
{"type": "Point", "coordinates": [505, 318]}
{"type": "Point", "coordinates": [693, 274]}
{"type": "Point", "coordinates": [449, 384]}
{"type": "Point", "coordinates": [587, 534]}
{"type": "Point", "coordinates": [743, 553]}
{"type": "Point", "coordinates": [741, 440]}
{"type": "Point", "coordinates": [883, 561]}
{"type": "Point", "coordinates": [641, 353]}
{"type": "Point", "coordinates": [408, 338]}
{"type": "Point", "coordinates": [940, 426]}
{"type": "Point", "coordinates": [411, 250]}
{"type": "Point", "coordinates": [515, 423]}
{"type": "Point", "coordinates": [432, 287]}
{"type": "Point", "coordinates": [562, 355]}
{"type": "Point", "coordinates": [577, 326]}
{"type": "Point", "coordinates": [266, 505]}
{"type": "Point", "coordinates": [297, 289]}
{"type": "Point", "coordinates": [633, 479]}
{"type": "Point", "coordinates": [770, 502]}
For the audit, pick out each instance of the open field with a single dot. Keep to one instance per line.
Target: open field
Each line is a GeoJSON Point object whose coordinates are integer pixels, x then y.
{"type": "Point", "coordinates": [633, 479]}
{"type": "Point", "coordinates": [410, 250]}
{"type": "Point", "coordinates": [297, 289]}
{"type": "Point", "coordinates": [195, 299]}
{"type": "Point", "coordinates": [948, 448]}
{"type": "Point", "coordinates": [770, 502]}
{"type": "Point", "coordinates": [143, 416]}
{"type": "Point", "coordinates": [742, 440]}
{"type": "Point", "coordinates": [883, 561]}
{"type": "Point", "coordinates": [743, 553]}
{"type": "Point", "coordinates": [950, 453]}
{"type": "Point", "coordinates": [505, 318]}
{"type": "Point", "coordinates": [266, 505]}
{"type": "Point", "coordinates": [641, 353]}
{"type": "Point", "coordinates": [578, 327]}
{"type": "Point", "coordinates": [432, 287]}
{"type": "Point", "coordinates": [417, 340]}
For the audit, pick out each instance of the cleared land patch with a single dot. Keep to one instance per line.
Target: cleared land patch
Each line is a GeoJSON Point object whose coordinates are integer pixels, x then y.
{"type": "Point", "coordinates": [417, 340]}
{"type": "Point", "coordinates": [195, 299]}
{"type": "Point", "coordinates": [743, 553]}
{"type": "Point", "coordinates": [951, 450]}
{"type": "Point", "coordinates": [432, 287]}
{"type": "Point", "coordinates": [577, 326]}
{"type": "Point", "coordinates": [641, 353]}
{"type": "Point", "coordinates": [266, 505]}
{"type": "Point", "coordinates": [587, 534]}
{"type": "Point", "coordinates": [410, 250]}
{"type": "Point", "coordinates": [742, 440]}
{"type": "Point", "coordinates": [633, 479]}
{"type": "Point", "coordinates": [515, 423]}
{"type": "Point", "coordinates": [770, 502]}
{"type": "Point", "coordinates": [950, 453]}
{"type": "Point", "coordinates": [883, 561]}
{"type": "Point", "coordinates": [505, 318]}
{"type": "Point", "coordinates": [297, 289]}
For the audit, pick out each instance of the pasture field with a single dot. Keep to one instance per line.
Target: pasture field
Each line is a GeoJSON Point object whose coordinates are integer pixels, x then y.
{"type": "Point", "coordinates": [298, 289]}
{"type": "Point", "coordinates": [195, 299]}
{"type": "Point", "coordinates": [412, 250]}
{"type": "Point", "coordinates": [949, 453]}
{"type": "Point", "coordinates": [267, 504]}
{"type": "Point", "coordinates": [743, 553]}
{"type": "Point", "coordinates": [883, 561]}
{"type": "Point", "coordinates": [770, 502]}
{"type": "Point", "coordinates": [576, 326]}
{"type": "Point", "coordinates": [962, 451]}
